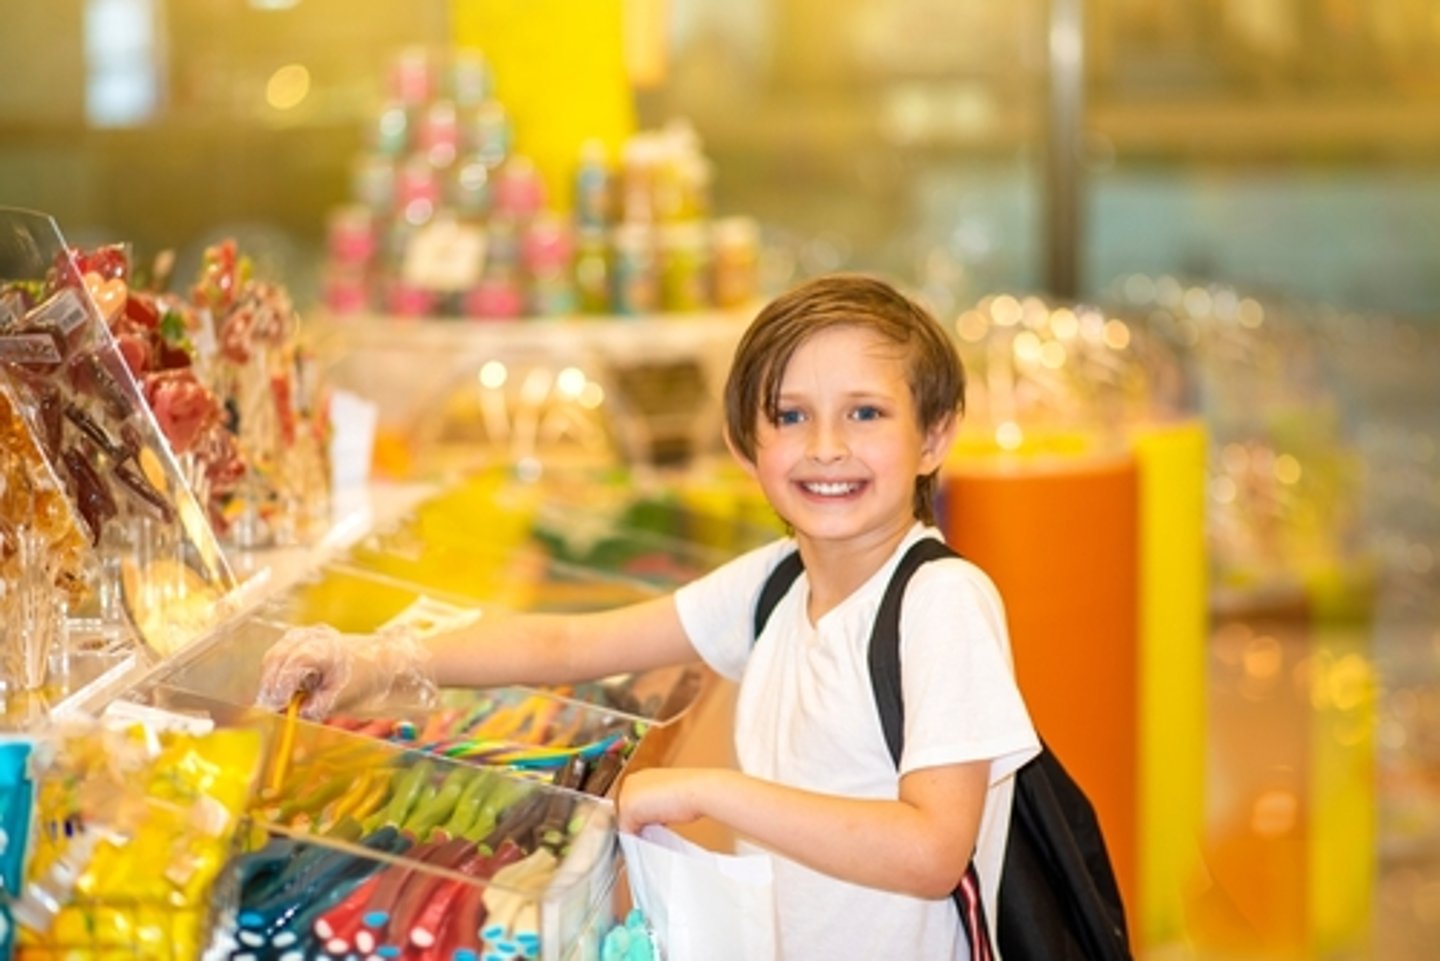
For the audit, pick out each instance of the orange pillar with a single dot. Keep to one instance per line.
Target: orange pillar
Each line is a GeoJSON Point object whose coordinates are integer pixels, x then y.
{"type": "Point", "coordinates": [1060, 540]}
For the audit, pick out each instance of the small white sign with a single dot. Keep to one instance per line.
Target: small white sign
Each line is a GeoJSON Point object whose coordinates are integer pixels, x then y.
{"type": "Point", "coordinates": [445, 255]}
{"type": "Point", "coordinates": [426, 616]}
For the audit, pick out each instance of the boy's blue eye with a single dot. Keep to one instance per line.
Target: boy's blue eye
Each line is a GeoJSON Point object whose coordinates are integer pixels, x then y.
{"type": "Point", "coordinates": [867, 412]}
{"type": "Point", "coordinates": [784, 417]}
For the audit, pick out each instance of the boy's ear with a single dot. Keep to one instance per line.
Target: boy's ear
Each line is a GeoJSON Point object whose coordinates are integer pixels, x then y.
{"type": "Point", "coordinates": [938, 438]}
{"type": "Point", "coordinates": [745, 463]}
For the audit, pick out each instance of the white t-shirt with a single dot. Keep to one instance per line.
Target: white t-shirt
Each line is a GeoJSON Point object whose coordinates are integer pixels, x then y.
{"type": "Point", "coordinates": [806, 716]}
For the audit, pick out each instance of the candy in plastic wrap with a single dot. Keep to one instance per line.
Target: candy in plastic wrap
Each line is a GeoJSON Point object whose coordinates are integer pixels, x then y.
{"type": "Point", "coordinates": [134, 828]}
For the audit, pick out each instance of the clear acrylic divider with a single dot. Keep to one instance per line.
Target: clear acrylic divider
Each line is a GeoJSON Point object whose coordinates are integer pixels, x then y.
{"type": "Point", "coordinates": [130, 550]}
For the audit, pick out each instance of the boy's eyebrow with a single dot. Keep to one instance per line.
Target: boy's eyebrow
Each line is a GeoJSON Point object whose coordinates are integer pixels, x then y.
{"type": "Point", "coordinates": [869, 389]}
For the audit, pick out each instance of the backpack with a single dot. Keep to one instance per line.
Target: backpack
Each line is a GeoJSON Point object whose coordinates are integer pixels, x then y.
{"type": "Point", "coordinates": [1058, 899]}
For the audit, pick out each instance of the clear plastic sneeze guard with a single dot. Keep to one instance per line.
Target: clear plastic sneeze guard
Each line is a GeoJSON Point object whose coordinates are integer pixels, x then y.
{"type": "Point", "coordinates": [105, 541]}
{"type": "Point", "coordinates": [581, 739]}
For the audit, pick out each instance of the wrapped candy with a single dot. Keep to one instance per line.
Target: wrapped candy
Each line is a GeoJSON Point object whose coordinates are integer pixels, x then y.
{"type": "Point", "coordinates": [32, 490]}
{"type": "Point", "coordinates": [135, 827]}
{"type": "Point", "coordinates": [17, 799]}
{"type": "Point", "coordinates": [119, 528]}
{"type": "Point", "coordinates": [633, 940]}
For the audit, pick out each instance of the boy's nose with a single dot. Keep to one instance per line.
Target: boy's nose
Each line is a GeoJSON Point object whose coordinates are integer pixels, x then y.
{"type": "Point", "coordinates": [828, 444]}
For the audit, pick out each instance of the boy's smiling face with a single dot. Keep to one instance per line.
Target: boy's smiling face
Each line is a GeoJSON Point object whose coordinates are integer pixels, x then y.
{"type": "Point", "coordinates": [841, 458]}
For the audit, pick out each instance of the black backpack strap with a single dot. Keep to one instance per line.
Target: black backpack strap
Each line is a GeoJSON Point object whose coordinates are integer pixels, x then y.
{"type": "Point", "coordinates": [885, 641]}
{"type": "Point", "coordinates": [777, 585]}
{"type": "Point", "coordinates": [884, 656]}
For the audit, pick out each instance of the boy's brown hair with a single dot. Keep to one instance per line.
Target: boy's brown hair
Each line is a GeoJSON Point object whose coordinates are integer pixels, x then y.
{"type": "Point", "coordinates": [933, 368]}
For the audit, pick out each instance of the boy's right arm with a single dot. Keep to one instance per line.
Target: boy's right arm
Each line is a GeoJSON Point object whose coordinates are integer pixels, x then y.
{"type": "Point", "coordinates": [335, 670]}
{"type": "Point", "coordinates": [560, 648]}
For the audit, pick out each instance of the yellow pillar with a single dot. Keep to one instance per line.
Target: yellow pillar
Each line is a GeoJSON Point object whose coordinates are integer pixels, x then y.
{"type": "Point", "coordinates": [1343, 692]}
{"type": "Point", "coordinates": [559, 69]}
{"type": "Point", "coordinates": [1174, 621]}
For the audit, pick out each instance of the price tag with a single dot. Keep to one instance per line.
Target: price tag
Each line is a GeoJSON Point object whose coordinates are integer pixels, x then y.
{"type": "Point", "coordinates": [11, 309]}
{"type": "Point", "coordinates": [66, 311]}
{"type": "Point", "coordinates": [29, 349]}
{"type": "Point", "coordinates": [445, 255]}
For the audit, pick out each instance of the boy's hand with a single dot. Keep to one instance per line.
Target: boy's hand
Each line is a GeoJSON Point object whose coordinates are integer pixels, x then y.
{"type": "Point", "coordinates": [660, 796]}
{"type": "Point", "coordinates": [341, 670]}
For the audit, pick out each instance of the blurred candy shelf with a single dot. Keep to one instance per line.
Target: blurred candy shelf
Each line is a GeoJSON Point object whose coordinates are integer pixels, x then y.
{"type": "Point", "coordinates": [447, 218]}
{"type": "Point", "coordinates": [590, 391]}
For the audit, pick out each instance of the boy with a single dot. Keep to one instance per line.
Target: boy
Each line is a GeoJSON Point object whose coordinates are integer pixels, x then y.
{"type": "Point", "coordinates": [842, 402]}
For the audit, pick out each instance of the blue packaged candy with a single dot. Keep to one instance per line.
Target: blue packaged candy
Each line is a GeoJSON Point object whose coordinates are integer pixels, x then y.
{"type": "Point", "coordinates": [17, 801]}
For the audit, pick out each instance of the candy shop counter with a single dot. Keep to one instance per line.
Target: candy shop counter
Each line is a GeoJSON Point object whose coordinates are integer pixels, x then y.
{"type": "Point", "coordinates": [369, 833]}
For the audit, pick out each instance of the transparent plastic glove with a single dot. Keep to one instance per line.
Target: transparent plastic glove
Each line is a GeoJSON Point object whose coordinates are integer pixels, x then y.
{"type": "Point", "coordinates": [336, 670]}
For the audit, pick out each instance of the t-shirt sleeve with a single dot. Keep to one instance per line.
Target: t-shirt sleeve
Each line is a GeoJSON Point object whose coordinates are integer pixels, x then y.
{"type": "Point", "coordinates": [717, 609]}
{"type": "Point", "coordinates": [961, 699]}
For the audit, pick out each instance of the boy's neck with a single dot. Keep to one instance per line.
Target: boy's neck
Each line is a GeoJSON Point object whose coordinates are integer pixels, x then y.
{"type": "Point", "coordinates": [837, 569]}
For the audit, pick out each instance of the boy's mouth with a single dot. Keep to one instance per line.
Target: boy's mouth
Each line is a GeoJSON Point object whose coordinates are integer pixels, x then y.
{"type": "Point", "coordinates": [830, 488]}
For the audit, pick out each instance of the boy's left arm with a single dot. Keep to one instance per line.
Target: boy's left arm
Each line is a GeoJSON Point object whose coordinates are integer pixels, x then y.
{"type": "Point", "coordinates": [919, 844]}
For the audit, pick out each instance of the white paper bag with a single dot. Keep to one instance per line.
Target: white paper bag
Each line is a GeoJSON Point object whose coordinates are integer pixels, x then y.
{"type": "Point", "coordinates": [703, 906]}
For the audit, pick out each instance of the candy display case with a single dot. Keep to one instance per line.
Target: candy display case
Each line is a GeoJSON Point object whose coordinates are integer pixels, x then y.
{"type": "Point", "coordinates": [523, 728]}
{"type": "Point", "coordinates": [420, 852]}
{"type": "Point", "coordinates": [492, 542]}
{"type": "Point", "coordinates": [109, 558]}
{"type": "Point", "coordinates": [462, 552]}
{"type": "Point", "coordinates": [533, 895]}
{"type": "Point", "coordinates": [532, 732]}
{"type": "Point", "coordinates": [344, 844]}
{"type": "Point", "coordinates": [357, 600]}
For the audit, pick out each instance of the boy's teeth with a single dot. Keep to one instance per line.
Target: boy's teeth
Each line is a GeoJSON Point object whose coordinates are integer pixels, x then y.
{"type": "Point", "coordinates": [831, 489]}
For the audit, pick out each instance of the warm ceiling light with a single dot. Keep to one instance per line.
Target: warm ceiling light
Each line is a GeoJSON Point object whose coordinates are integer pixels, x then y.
{"type": "Point", "coordinates": [288, 86]}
